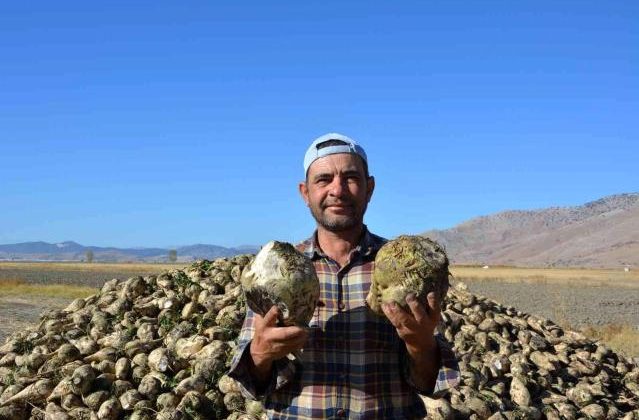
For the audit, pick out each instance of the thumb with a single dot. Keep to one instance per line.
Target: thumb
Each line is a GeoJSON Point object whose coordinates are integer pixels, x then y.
{"type": "Point", "coordinates": [270, 318]}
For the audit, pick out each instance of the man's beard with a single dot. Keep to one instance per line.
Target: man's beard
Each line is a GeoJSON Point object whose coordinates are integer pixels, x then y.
{"type": "Point", "coordinates": [338, 223]}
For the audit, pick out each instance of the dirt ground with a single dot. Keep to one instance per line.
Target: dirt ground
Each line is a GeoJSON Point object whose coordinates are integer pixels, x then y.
{"type": "Point", "coordinates": [18, 312]}
{"type": "Point", "coordinates": [566, 305]}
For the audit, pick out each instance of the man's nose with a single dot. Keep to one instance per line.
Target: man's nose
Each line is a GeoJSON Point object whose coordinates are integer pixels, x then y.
{"type": "Point", "coordinates": [337, 186]}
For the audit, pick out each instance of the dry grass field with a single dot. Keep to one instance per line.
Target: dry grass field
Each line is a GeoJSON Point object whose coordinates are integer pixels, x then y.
{"type": "Point", "coordinates": [564, 276]}
{"type": "Point", "coordinates": [76, 273]}
{"type": "Point", "coordinates": [90, 267]}
{"type": "Point", "coordinates": [19, 288]}
{"type": "Point", "coordinates": [602, 303]}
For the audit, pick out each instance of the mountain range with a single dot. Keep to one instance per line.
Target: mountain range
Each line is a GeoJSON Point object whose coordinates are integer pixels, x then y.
{"type": "Point", "coordinates": [72, 251]}
{"type": "Point", "coordinates": [601, 233]}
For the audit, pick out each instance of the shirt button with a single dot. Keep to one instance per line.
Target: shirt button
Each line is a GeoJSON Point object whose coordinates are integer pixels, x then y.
{"type": "Point", "coordinates": [341, 305]}
{"type": "Point", "coordinates": [341, 413]}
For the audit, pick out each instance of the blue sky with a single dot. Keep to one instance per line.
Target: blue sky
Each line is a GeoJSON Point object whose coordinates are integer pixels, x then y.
{"type": "Point", "coordinates": [157, 123]}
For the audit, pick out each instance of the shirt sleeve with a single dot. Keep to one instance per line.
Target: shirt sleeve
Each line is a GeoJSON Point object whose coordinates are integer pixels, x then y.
{"type": "Point", "coordinates": [448, 376]}
{"type": "Point", "coordinates": [283, 370]}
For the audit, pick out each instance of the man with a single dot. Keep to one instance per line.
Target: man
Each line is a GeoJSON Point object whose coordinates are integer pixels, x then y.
{"type": "Point", "coordinates": [353, 364]}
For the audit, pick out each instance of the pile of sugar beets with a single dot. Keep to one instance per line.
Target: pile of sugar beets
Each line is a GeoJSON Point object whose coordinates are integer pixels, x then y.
{"type": "Point", "coordinates": [159, 346]}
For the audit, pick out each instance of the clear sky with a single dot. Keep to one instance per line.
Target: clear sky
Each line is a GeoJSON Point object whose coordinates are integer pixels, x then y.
{"type": "Point", "coordinates": [163, 123]}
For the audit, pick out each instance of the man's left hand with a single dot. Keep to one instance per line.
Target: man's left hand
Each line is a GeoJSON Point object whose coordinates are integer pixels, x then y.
{"type": "Point", "coordinates": [416, 327]}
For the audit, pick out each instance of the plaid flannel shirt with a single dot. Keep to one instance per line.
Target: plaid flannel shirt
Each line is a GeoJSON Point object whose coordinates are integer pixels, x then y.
{"type": "Point", "coordinates": [354, 365]}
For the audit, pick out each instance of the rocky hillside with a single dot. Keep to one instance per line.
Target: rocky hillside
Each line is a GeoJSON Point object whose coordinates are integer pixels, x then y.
{"type": "Point", "coordinates": [601, 233]}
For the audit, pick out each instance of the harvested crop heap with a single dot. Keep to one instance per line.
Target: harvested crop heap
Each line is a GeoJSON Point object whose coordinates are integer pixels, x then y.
{"type": "Point", "coordinates": [518, 366]}
{"type": "Point", "coordinates": [158, 347]}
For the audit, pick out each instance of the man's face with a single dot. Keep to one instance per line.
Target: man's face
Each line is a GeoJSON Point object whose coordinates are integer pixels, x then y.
{"type": "Point", "coordinates": [337, 191]}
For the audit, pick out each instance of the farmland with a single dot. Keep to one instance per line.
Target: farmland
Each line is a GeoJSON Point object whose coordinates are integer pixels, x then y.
{"type": "Point", "coordinates": [603, 303]}
{"type": "Point", "coordinates": [572, 297]}
{"type": "Point", "coordinates": [29, 288]}
{"type": "Point", "coordinates": [82, 274]}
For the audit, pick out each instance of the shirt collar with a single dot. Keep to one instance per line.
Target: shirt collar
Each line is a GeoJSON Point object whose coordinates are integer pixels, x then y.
{"type": "Point", "coordinates": [368, 244]}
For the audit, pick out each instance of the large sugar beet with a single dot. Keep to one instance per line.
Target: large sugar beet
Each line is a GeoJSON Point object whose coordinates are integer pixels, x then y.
{"type": "Point", "coordinates": [408, 264]}
{"type": "Point", "coordinates": [281, 275]}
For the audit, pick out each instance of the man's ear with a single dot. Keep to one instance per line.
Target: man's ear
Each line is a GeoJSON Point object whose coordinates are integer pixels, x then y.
{"type": "Point", "coordinates": [303, 188]}
{"type": "Point", "coordinates": [370, 187]}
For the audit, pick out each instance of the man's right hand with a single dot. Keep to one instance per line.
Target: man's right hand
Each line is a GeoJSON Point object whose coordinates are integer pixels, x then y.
{"type": "Point", "coordinates": [271, 342]}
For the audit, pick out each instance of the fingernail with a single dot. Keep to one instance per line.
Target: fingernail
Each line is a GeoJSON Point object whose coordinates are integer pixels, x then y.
{"type": "Point", "coordinates": [410, 297]}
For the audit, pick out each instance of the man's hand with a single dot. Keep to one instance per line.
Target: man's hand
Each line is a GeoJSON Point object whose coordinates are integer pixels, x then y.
{"type": "Point", "coordinates": [416, 328]}
{"type": "Point", "coordinates": [271, 342]}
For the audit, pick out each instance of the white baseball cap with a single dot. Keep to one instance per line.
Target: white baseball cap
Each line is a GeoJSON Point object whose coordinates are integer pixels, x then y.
{"type": "Point", "coordinates": [313, 153]}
